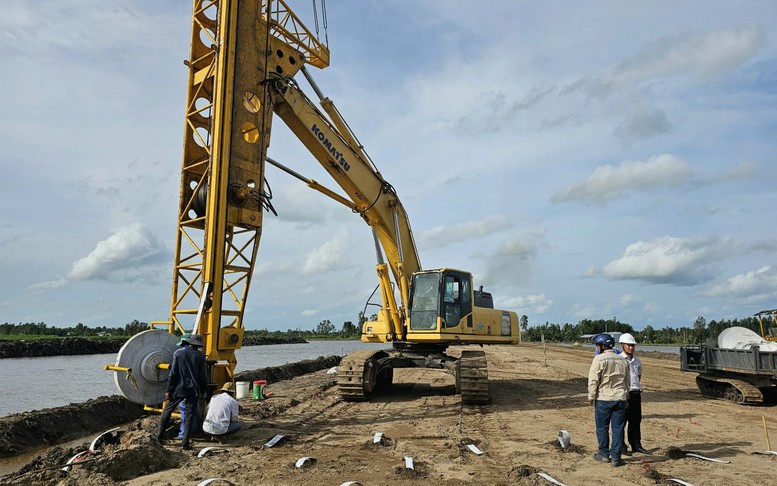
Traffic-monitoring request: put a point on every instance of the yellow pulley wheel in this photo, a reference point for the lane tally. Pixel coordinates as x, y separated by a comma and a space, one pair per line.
142, 354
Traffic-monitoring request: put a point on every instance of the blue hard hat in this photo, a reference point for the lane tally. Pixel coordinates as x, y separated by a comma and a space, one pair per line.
605, 340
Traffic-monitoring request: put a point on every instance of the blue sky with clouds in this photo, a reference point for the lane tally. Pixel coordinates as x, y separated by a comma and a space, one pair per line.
616, 160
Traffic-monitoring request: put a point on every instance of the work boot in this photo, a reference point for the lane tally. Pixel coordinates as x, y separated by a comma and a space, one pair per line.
186, 447
600, 458
625, 450
617, 462
640, 449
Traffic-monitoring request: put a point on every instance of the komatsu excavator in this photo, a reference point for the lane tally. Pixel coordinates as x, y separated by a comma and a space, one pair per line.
242, 66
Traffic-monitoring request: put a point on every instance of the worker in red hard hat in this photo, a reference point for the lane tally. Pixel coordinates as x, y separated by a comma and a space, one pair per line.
634, 412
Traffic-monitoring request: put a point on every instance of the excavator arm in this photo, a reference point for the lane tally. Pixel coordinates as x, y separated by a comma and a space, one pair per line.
337, 150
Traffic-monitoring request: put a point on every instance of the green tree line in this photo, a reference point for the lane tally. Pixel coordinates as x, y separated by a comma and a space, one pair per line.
696, 333
324, 330
79, 330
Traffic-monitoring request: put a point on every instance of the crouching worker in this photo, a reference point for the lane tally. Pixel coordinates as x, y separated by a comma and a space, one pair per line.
222, 416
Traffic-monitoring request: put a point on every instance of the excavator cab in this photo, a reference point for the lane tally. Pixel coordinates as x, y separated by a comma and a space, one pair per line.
439, 299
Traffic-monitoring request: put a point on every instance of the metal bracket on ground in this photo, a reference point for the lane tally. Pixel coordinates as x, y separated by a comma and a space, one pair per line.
305, 461
210, 449
697, 456
475, 449
550, 478
274, 441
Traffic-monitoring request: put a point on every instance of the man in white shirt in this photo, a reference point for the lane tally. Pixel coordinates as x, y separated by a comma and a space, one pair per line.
634, 412
222, 416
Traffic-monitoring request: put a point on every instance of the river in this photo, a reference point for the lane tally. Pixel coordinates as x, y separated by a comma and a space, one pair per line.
36, 383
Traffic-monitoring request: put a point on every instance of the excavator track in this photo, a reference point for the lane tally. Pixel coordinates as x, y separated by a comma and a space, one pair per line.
730, 389
472, 377
357, 375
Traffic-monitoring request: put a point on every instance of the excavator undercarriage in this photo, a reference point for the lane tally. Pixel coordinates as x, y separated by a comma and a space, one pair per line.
365, 373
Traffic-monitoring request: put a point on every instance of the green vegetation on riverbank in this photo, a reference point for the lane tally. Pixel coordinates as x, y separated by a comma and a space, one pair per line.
41, 331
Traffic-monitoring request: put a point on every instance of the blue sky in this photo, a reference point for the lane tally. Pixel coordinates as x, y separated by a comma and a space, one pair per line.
616, 160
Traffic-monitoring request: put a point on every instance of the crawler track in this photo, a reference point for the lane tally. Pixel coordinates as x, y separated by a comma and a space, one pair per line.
357, 375
472, 380
736, 391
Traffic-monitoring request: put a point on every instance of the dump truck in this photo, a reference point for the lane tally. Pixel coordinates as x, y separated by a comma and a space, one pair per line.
739, 366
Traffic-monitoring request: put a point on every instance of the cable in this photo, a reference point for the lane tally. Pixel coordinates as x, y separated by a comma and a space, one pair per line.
323, 12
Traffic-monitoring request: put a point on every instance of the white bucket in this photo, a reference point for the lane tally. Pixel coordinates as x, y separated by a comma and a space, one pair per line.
242, 389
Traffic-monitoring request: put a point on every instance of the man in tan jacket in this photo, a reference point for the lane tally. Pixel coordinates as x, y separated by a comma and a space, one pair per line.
608, 391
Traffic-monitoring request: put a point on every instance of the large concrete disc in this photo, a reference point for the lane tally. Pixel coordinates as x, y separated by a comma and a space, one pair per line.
142, 353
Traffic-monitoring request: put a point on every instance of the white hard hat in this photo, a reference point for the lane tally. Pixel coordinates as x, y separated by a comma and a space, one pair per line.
627, 339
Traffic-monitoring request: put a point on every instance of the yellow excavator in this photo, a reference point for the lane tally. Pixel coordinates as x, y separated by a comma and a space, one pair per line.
242, 65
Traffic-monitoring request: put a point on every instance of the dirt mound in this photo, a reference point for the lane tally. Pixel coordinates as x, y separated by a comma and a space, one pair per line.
136, 454
659, 355
290, 370
28, 430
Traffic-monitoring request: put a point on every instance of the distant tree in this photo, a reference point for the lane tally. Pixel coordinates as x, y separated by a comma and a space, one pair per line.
325, 327
648, 334
135, 327
349, 329
524, 322
698, 329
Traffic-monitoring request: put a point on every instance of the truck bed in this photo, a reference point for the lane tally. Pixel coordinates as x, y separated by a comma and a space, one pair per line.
704, 358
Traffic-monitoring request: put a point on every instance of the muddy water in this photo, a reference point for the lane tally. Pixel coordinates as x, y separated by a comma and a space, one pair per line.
37, 383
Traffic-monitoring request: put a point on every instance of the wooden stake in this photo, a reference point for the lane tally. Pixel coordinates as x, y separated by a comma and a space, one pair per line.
545, 356
766, 433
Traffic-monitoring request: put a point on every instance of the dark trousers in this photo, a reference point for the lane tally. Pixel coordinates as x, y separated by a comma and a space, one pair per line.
606, 413
164, 420
634, 418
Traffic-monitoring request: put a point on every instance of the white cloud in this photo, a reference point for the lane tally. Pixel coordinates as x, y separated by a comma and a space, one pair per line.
743, 170
754, 285
678, 261
329, 256
608, 182
309, 312
763, 246
643, 122
703, 55
627, 299
708, 54
528, 304
87, 26
131, 254
512, 263
441, 236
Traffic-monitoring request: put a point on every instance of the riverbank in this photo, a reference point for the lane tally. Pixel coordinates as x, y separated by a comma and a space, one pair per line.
22, 432
71, 346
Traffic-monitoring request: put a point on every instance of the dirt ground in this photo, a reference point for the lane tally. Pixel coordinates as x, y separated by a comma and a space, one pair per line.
534, 395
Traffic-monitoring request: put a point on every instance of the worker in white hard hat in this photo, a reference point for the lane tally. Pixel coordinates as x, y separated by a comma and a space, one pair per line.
634, 411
